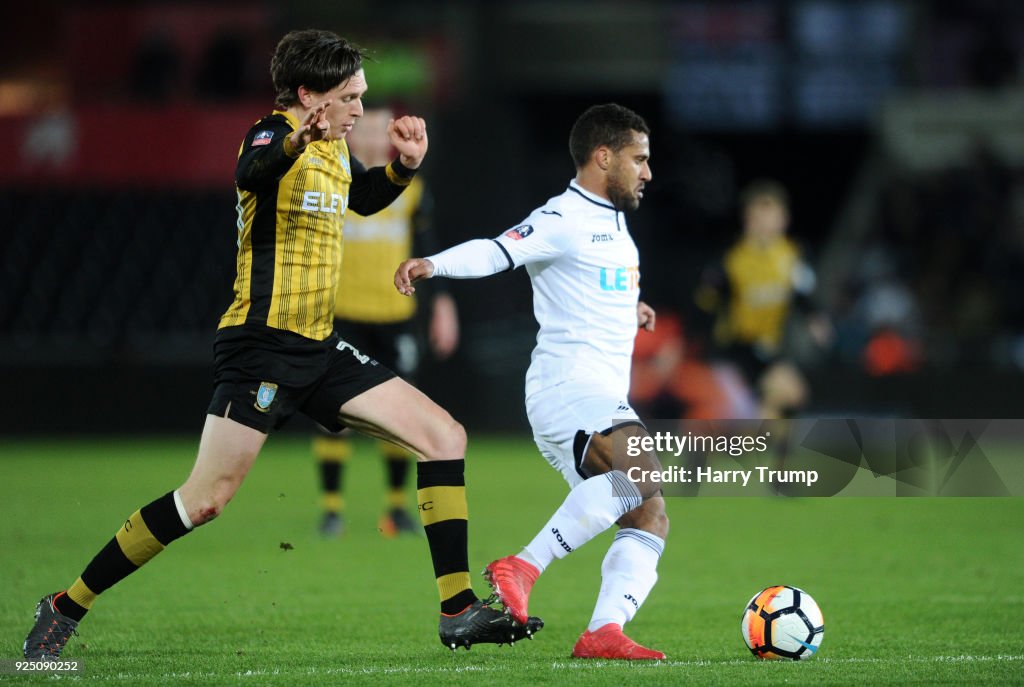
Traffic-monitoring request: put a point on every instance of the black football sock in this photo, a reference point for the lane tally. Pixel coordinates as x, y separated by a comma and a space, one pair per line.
397, 468
145, 534
332, 453
441, 493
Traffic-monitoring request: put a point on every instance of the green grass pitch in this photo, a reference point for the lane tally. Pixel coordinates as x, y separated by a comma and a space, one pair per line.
925, 591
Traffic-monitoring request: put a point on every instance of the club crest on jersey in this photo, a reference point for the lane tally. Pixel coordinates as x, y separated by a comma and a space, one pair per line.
520, 232
265, 396
262, 138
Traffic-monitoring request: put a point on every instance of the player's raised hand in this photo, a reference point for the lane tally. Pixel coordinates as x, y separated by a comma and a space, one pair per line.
410, 272
645, 316
409, 137
315, 127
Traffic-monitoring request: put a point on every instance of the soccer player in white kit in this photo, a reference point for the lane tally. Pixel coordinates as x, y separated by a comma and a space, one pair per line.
584, 268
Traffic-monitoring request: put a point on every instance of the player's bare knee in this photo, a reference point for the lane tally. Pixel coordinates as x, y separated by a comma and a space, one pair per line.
458, 439
204, 514
211, 507
447, 442
204, 503
201, 510
451, 441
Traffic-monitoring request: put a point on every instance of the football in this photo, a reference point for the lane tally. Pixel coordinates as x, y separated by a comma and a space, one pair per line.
782, 622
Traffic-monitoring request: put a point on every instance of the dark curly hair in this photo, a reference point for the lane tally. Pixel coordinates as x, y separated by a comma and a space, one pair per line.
603, 125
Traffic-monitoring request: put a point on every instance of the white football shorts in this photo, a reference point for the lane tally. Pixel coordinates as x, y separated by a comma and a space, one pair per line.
564, 417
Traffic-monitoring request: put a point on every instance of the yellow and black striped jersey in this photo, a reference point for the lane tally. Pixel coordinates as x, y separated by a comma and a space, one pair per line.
374, 245
291, 210
762, 281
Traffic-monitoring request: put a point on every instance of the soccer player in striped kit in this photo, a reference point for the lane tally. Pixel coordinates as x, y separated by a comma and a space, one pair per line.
276, 352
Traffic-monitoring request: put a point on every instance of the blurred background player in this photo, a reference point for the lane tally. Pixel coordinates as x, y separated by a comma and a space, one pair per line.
374, 318
751, 294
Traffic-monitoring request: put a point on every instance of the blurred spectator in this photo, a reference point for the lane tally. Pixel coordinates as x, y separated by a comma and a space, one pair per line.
51, 139
878, 321
951, 266
890, 352
668, 379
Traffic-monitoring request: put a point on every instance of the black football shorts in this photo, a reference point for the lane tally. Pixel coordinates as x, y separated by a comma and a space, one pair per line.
394, 344
263, 376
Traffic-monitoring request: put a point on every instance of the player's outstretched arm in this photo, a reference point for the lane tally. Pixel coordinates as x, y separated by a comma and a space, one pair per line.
469, 260
410, 272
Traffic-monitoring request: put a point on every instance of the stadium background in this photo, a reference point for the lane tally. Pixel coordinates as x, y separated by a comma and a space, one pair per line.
894, 124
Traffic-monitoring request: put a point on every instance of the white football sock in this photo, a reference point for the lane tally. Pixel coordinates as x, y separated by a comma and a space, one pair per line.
591, 507
628, 574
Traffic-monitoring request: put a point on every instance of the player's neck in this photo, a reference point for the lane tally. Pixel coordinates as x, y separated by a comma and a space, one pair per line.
298, 112
593, 182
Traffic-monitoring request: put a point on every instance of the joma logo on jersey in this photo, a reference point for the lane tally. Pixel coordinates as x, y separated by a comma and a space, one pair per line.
561, 539
620, 278
318, 201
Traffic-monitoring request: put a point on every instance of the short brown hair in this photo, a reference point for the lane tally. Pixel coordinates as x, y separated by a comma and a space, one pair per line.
603, 125
764, 188
318, 60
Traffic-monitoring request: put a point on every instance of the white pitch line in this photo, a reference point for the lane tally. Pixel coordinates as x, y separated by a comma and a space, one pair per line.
557, 665
699, 663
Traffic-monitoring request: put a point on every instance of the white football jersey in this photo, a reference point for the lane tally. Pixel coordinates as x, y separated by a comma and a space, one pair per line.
585, 272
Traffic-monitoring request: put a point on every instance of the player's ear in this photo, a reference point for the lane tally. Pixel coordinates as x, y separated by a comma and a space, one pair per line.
305, 96
603, 157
